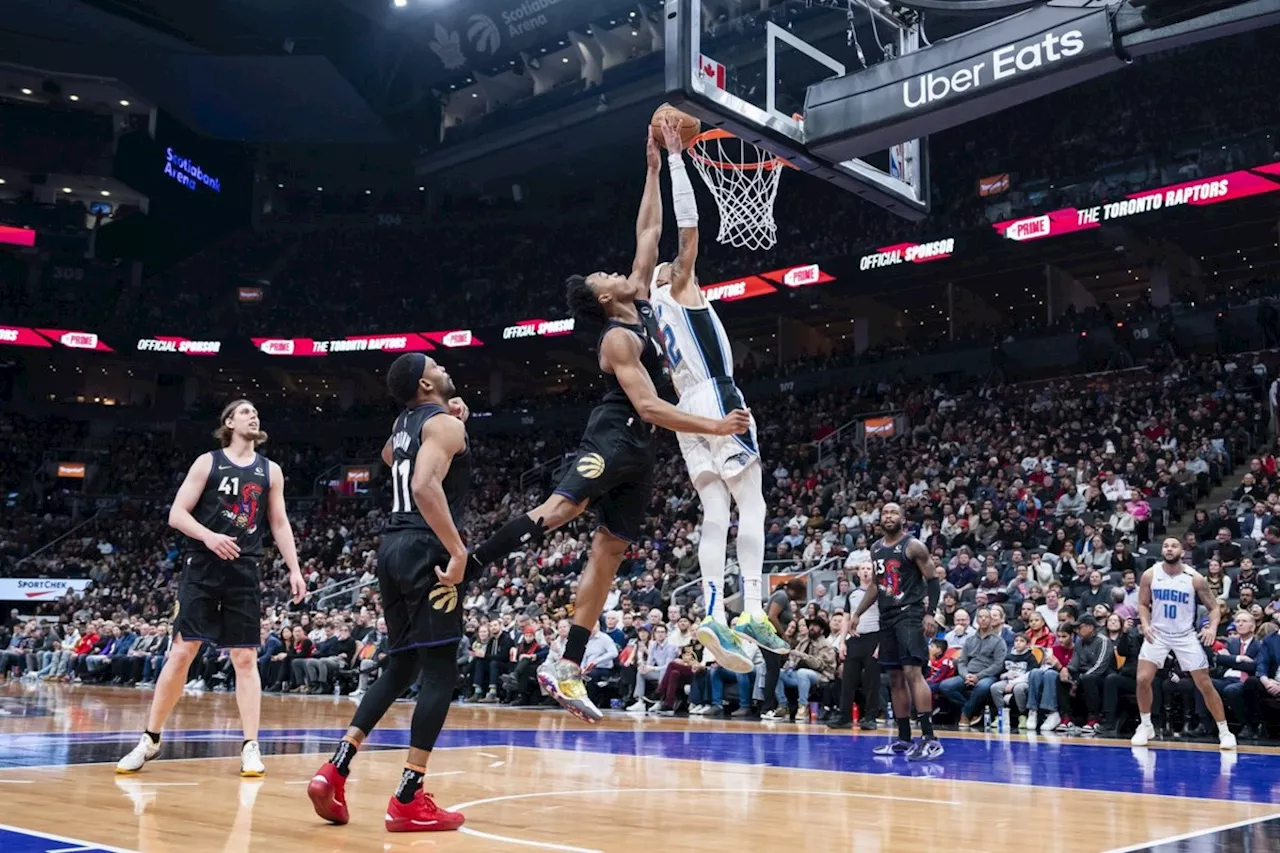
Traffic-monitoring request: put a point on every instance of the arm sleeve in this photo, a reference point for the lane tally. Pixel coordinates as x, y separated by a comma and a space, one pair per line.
683, 201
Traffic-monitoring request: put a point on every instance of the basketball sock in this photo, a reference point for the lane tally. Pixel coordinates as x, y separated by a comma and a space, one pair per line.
925, 719
575, 647
410, 783
748, 494
343, 755
513, 534
904, 728
1146, 719
714, 496
1223, 729
155, 736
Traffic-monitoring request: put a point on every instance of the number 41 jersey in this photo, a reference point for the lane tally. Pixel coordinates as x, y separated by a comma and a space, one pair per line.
234, 502
406, 441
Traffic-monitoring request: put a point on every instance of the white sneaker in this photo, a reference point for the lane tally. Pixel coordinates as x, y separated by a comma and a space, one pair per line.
1033, 721
1145, 733
1051, 722
1226, 741
638, 705
146, 750
251, 761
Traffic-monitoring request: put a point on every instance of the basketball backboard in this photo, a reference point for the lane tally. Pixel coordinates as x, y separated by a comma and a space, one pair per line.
748, 70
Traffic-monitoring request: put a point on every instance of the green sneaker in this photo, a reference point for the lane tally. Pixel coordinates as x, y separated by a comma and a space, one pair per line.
760, 631
723, 645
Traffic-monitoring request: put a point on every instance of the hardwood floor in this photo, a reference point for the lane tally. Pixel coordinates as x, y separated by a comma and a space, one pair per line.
541, 780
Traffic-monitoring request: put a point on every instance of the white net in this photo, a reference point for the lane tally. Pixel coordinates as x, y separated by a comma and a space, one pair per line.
743, 179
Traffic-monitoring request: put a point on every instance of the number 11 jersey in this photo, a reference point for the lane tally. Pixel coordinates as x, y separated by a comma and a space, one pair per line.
406, 440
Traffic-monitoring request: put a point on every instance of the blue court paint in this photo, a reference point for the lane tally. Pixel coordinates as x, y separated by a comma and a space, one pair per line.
15, 840
1081, 765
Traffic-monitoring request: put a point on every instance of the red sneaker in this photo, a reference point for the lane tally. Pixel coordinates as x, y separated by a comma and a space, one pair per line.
421, 815
328, 793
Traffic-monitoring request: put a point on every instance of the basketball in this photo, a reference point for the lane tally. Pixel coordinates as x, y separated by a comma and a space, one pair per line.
689, 126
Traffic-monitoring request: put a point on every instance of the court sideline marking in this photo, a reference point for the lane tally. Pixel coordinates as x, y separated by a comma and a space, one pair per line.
508, 839
1199, 833
75, 843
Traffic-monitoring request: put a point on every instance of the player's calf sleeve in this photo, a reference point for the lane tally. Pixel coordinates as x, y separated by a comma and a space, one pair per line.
397, 677
512, 535
714, 496
748, 494
439, 667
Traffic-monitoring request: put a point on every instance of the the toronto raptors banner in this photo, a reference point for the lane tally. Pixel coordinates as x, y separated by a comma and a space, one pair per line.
957, 80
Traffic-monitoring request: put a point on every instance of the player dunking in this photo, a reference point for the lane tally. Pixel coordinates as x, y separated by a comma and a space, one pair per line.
1167, 600
430, 476
613, 468
721, 467
219, 512
905, 579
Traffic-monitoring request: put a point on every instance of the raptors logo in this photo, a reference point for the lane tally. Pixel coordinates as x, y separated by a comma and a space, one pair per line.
243, 512
889, 576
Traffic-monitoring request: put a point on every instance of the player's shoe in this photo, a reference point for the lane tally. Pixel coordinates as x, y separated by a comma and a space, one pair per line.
328, 793
1226, 741
925, 749
563, 682
759, 630
724, 646
251, 765
894, 747
1143, 735
146, 750
421, 815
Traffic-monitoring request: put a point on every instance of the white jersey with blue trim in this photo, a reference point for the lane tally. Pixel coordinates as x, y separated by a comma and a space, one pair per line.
1173, 601
697, 347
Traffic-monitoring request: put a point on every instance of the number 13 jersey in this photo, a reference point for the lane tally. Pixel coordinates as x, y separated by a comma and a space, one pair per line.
406, 440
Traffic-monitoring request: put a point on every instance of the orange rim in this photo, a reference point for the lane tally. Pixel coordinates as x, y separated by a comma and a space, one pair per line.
719, 133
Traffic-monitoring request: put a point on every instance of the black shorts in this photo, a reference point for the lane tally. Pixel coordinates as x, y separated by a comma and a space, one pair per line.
902, 639
420, 611
219, 601
613, 470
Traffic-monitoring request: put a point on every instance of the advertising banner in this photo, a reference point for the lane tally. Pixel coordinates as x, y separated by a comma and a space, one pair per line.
183, 346
994, 185
71, 470
22, 336
39, 589
960, 79
1203, 191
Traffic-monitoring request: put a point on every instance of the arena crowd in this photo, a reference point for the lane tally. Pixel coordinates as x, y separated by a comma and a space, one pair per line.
1039, 501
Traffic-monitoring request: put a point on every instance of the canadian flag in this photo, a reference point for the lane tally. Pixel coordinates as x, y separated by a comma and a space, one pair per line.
711, 71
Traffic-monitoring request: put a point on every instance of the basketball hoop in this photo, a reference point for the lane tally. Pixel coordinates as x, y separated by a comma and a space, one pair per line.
743, 179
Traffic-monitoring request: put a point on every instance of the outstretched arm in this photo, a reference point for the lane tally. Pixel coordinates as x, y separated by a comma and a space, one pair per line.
620, 355
684, 284
648, 221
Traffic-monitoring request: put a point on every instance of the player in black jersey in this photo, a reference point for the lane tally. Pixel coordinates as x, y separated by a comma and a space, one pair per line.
430, 466
613, 469
907, 590
220, 510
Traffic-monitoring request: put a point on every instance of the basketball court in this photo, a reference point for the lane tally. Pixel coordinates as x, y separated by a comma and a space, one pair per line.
539, 780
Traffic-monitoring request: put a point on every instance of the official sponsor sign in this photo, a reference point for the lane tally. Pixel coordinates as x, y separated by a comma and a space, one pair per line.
39, 589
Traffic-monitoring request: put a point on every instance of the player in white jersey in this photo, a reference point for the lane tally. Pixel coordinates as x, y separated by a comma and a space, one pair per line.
721, 467
1167, 602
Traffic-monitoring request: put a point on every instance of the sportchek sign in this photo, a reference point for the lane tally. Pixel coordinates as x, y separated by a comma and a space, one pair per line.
1202, 192
39, 589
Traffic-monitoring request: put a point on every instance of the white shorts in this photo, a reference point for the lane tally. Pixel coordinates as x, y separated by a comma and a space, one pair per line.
1186, 646
722, 455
